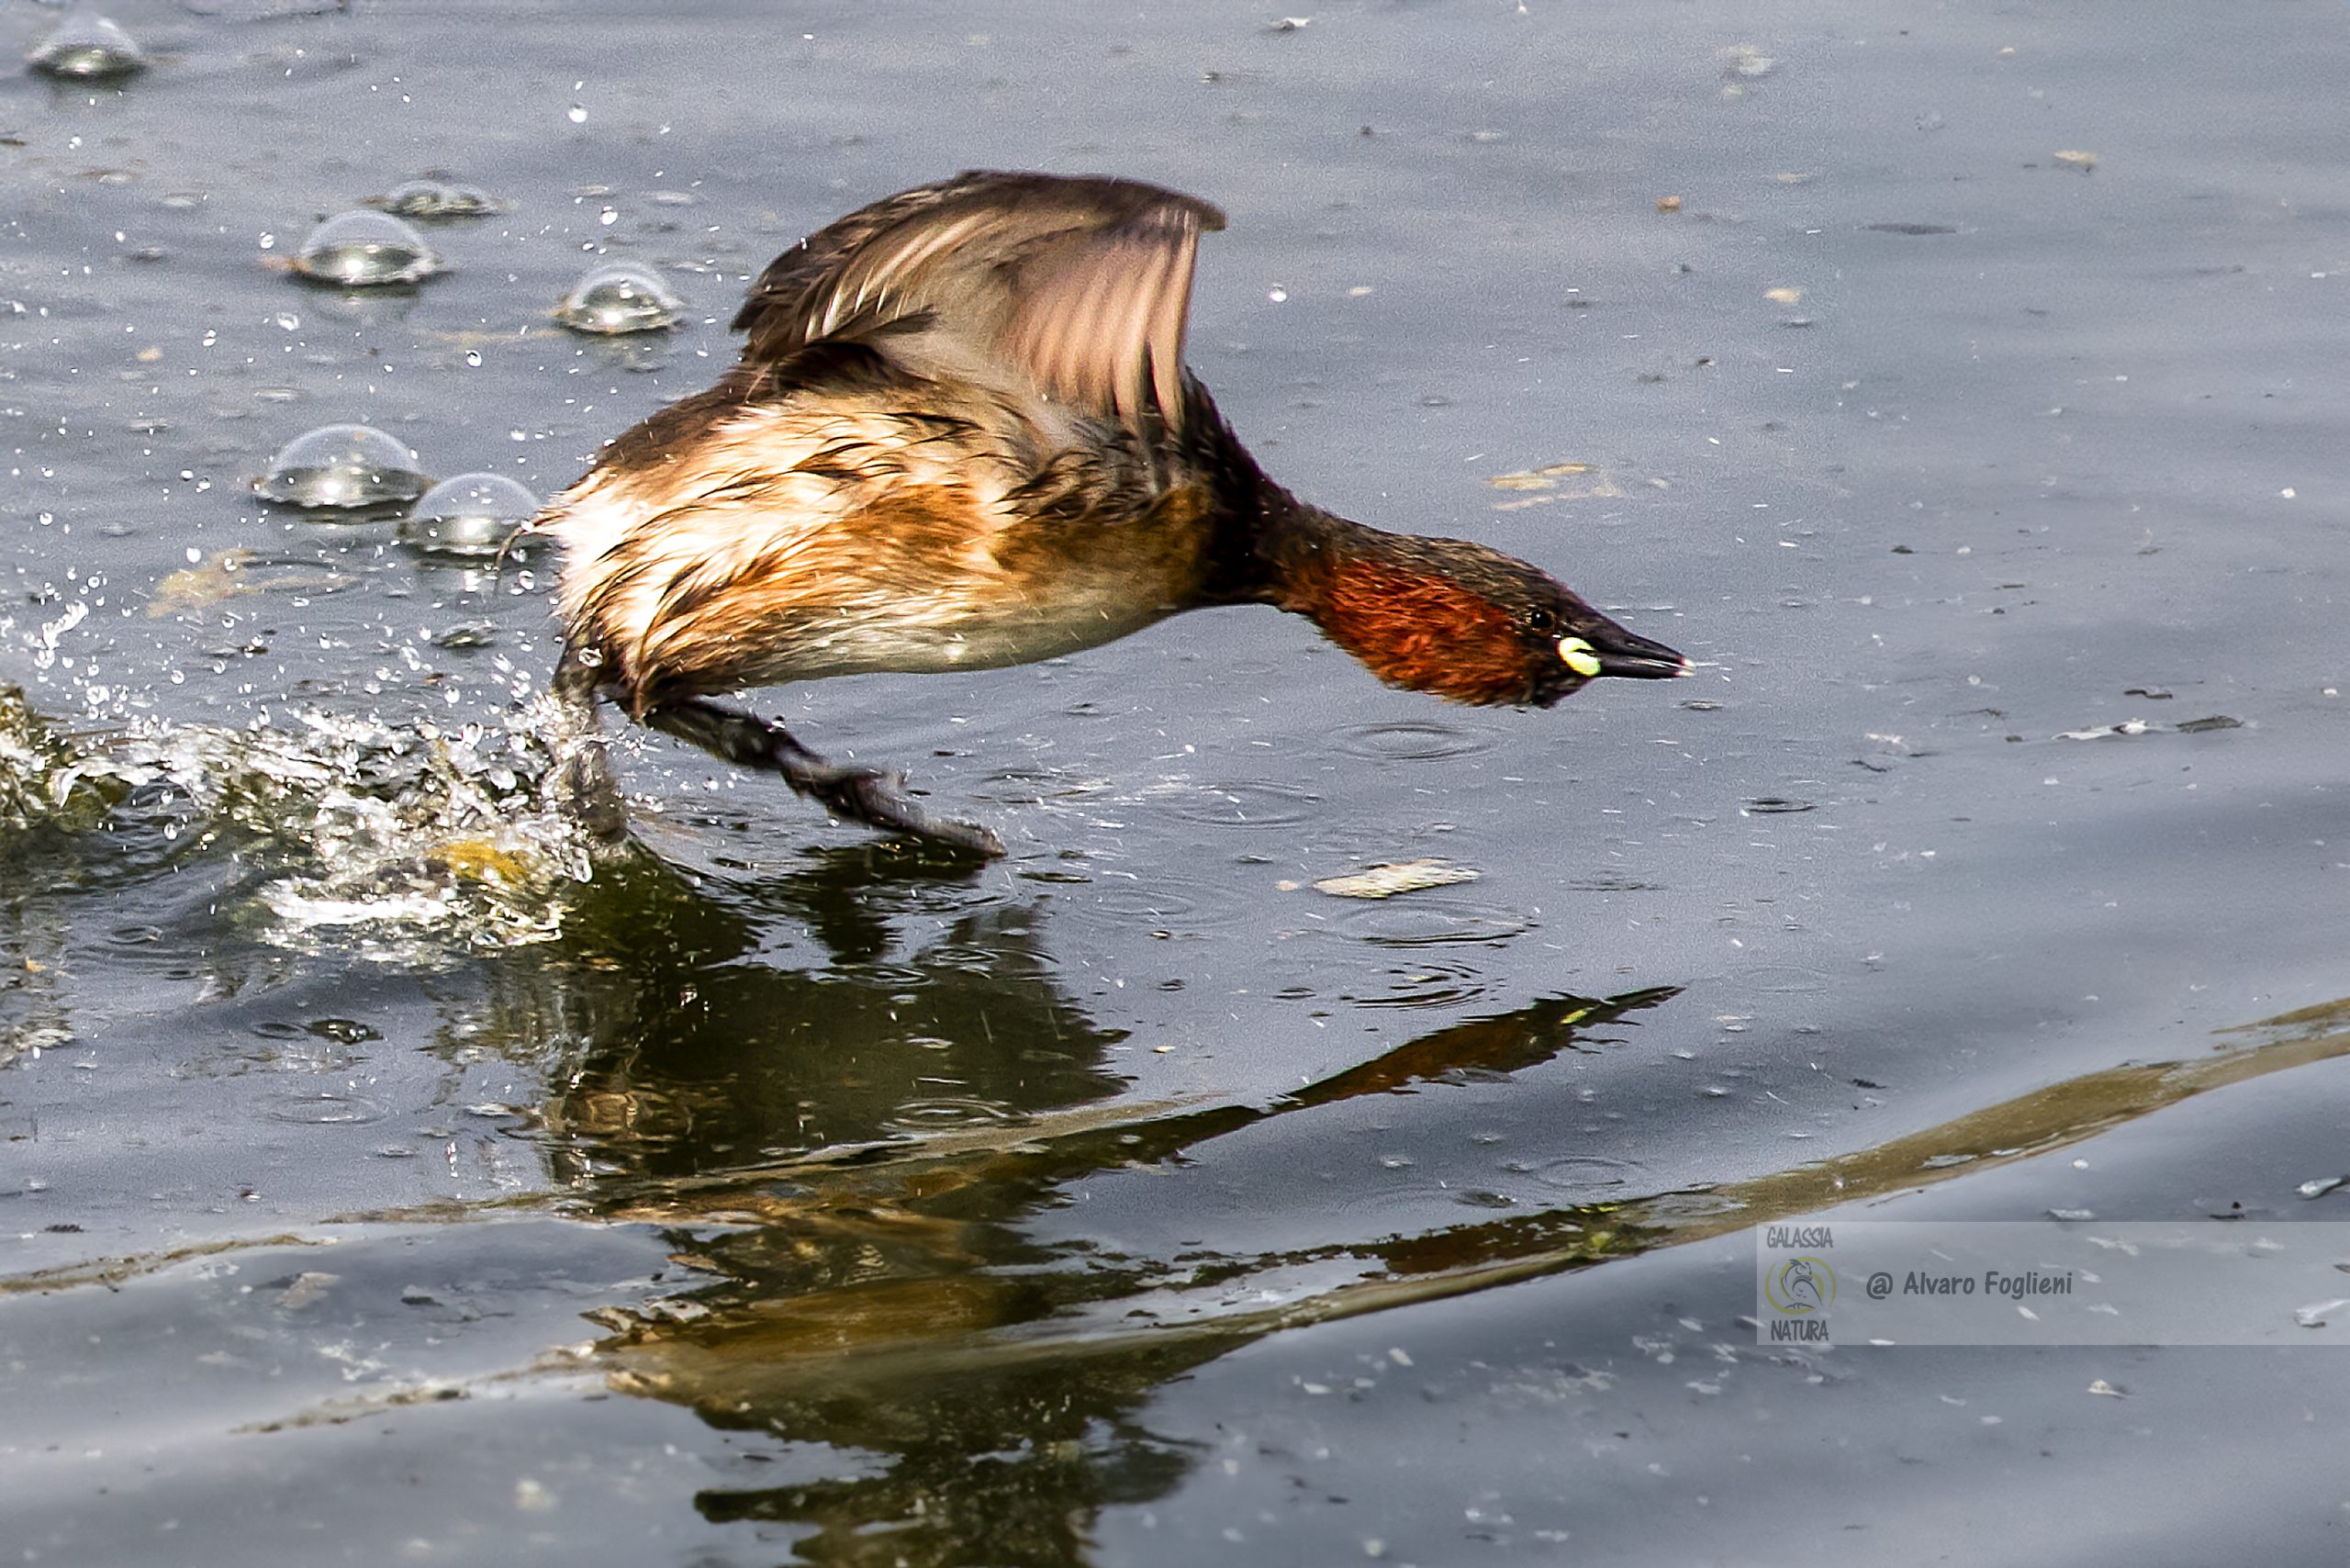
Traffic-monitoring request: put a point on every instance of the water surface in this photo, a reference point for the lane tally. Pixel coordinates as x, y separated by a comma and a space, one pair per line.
388, 1178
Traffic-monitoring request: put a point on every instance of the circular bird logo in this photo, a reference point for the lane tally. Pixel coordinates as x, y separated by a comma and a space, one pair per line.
1800, 1286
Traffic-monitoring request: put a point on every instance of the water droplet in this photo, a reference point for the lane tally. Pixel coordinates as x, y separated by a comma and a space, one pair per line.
471, 515
436, 199
577, 114
619, 299
341, 465
87, 49
366, 250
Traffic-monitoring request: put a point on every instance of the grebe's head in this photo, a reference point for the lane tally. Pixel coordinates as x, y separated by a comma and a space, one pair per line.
1474, 625
1566, 644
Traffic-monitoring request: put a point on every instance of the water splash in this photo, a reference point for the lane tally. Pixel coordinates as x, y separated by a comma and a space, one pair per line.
412, 845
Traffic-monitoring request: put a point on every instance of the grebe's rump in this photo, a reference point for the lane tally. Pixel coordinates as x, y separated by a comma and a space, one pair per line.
961, 434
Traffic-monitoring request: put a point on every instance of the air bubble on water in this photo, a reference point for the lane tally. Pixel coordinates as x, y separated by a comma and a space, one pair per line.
342, 466
436, 199
471, 515
621, 298
87, 49
366, 250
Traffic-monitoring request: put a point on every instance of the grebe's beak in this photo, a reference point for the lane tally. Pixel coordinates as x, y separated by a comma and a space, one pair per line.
1611, 650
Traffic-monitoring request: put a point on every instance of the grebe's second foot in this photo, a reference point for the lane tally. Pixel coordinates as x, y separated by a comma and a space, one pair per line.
586, 790
584, 787
873, 796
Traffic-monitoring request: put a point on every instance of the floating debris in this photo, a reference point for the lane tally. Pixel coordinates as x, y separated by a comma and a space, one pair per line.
1782, 295
2321, 1187
2074, 158
366, 250
230, 573
2143, 726
621, 298
1775, 805
432, 198
467, 634
470, 515
342, 466
1388, 878
1546, 478
87, 49
1909, 229
1743, 62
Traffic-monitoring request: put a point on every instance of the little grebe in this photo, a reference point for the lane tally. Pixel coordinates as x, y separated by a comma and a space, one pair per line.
962, 435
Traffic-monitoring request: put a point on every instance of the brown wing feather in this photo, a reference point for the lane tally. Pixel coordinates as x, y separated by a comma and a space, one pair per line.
1083, 285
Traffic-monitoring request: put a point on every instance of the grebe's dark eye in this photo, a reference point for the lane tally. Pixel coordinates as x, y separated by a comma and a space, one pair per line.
1540, 622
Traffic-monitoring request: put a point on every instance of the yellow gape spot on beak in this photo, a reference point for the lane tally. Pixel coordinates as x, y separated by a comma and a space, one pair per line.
1579, 657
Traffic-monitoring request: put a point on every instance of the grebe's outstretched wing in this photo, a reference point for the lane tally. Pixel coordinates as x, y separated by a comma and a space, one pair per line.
1082, 284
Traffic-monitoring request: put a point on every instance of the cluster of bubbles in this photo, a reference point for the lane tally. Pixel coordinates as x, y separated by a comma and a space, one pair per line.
369, 247
358, 469
398, 833
374, 245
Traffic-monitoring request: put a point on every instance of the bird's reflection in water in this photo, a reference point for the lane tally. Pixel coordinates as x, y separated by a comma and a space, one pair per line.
869, 1282
698, 1027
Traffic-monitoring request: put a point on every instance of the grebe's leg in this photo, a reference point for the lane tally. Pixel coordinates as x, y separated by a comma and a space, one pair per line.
868, 795
584, 784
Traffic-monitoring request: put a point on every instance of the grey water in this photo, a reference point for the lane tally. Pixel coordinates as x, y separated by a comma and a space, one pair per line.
385, 1175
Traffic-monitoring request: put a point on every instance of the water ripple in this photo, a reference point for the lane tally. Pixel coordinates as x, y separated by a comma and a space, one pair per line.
1417, 740
1246, 803
1429, 923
